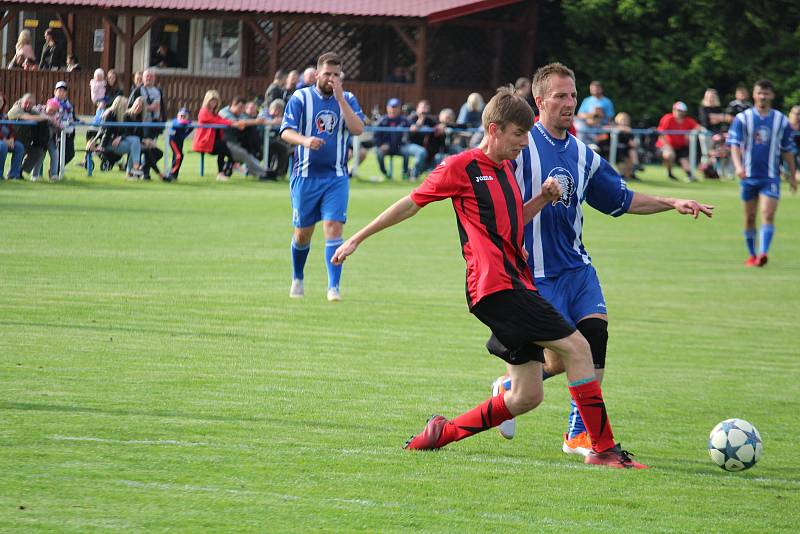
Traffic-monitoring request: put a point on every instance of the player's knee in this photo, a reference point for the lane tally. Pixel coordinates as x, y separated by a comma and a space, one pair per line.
523, 400
578, 347
595, 331
301, 237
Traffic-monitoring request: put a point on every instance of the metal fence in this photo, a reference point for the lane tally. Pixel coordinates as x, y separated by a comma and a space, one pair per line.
638, 134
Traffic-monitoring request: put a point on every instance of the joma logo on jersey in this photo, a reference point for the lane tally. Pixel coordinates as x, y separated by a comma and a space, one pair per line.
566, 182
326, 121
484, 178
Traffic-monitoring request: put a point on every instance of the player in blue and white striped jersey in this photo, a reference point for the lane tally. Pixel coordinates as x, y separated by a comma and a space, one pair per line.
561, 267
759, 137
319, 120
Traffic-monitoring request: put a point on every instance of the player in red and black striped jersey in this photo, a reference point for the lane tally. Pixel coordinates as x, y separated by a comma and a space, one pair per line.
500, 292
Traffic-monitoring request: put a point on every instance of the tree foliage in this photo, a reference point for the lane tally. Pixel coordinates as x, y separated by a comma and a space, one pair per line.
650, 53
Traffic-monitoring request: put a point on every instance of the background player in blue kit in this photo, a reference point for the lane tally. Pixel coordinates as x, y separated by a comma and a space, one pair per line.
319, 120
560, 265
758, 138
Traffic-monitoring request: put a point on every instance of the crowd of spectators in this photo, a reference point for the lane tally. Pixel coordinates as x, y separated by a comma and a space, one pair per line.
420, 137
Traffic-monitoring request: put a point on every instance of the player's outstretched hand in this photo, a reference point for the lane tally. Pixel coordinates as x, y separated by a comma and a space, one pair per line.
314, 143
693, 208
344, 250
551, 190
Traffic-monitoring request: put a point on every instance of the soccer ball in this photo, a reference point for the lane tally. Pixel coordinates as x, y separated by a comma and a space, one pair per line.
735, 445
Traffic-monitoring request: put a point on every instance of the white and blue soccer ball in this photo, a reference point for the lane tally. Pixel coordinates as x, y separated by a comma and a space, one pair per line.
735, 445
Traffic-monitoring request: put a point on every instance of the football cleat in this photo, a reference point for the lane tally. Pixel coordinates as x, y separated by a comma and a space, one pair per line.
333, 294
614, 457
508, 427
761, 260
580, 444
427, 439
297, 291
752, 261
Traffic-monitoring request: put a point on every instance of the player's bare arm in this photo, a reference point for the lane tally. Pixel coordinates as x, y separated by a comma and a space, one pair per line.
788, 157
551, 192
294, 138
397, 212
647, 204
352, 121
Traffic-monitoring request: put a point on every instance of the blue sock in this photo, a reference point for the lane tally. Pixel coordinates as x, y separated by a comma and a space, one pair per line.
299, 255
576, 425
334, 271
750, 241
765, 237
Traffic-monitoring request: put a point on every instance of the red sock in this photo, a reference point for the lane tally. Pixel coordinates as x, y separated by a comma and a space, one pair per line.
484, 416
589, 399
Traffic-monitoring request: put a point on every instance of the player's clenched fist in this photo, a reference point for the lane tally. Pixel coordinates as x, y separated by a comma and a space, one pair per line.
551, 190
314, 143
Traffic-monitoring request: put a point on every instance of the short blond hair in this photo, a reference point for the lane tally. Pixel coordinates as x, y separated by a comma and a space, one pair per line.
504, 108
541, 80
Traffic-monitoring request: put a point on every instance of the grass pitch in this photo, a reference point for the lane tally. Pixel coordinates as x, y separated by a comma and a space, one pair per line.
154, 374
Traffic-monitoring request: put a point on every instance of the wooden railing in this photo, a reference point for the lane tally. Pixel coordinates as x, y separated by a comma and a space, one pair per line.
188, 91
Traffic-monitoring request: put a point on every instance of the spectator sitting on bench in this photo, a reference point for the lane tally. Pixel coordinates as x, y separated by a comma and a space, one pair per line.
33, 137
113, 142
9, 144
150, 151
392, 143
236, 137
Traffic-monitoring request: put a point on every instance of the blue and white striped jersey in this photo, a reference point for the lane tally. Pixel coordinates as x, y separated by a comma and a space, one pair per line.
310, 113
554, 238
762, 140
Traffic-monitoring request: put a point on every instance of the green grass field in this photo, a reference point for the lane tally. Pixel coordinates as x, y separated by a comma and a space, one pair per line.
154, 374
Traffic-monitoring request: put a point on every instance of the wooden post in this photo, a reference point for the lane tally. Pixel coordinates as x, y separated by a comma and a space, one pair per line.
106, 61
128, 38
274, 47
246, 39
67, 31
10, 18
421, 78
71, 30
497, 48
528, 55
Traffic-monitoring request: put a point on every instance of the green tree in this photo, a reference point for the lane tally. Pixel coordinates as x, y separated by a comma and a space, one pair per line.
650, 53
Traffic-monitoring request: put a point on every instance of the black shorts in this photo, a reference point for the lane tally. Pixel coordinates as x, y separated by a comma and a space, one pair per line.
519, 318
681, 153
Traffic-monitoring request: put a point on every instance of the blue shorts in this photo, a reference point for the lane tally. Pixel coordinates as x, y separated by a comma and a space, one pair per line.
575, 294
752, 187
319, 199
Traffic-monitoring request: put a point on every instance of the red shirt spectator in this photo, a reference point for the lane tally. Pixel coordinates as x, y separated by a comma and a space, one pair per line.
204, 137
677, 120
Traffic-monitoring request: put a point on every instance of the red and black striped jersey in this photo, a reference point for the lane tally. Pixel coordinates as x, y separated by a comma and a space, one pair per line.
488, 207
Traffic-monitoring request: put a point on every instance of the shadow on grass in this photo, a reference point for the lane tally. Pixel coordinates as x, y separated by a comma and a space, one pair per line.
82, 208
356, 427
118, 328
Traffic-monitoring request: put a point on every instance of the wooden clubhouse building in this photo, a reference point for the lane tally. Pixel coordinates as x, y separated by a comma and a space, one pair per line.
441, 50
